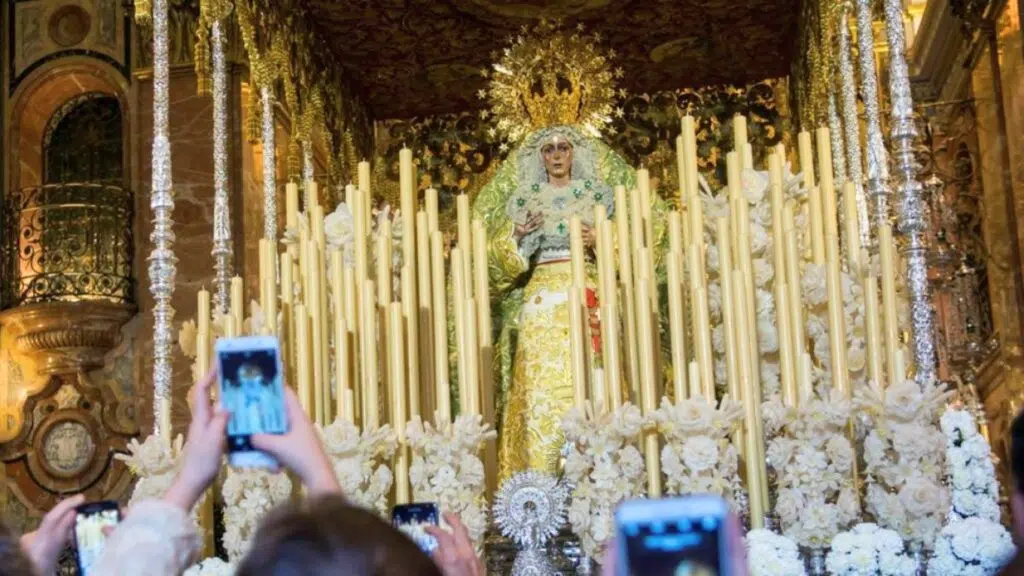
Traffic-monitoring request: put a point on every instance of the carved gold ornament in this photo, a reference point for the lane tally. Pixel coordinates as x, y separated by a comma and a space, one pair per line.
550, 77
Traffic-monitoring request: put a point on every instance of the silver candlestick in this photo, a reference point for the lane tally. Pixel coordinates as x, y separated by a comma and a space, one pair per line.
162, 261
269, 170
877, 159
851, 125
221, 210
912, 218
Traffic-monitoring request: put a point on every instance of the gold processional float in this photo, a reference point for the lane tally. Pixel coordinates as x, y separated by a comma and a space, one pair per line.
347, 325
372, 344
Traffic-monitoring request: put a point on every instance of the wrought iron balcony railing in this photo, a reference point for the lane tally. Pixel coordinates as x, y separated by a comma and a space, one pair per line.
66, 242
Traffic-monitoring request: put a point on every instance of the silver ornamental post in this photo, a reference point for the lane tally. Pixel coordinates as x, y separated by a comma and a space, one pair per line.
912, 219
162, 261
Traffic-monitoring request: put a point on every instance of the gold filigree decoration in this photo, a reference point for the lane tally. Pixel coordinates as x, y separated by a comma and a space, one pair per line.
549, 77
210, 11
143, 12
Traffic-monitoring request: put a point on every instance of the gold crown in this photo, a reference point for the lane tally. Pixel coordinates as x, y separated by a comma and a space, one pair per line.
548, 77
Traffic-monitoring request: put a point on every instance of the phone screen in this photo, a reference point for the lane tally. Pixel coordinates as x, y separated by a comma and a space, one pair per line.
410, 519
252, 391
90, 520
685, 546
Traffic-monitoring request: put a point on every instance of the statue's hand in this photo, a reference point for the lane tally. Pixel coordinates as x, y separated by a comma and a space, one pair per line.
589, 236
533, 221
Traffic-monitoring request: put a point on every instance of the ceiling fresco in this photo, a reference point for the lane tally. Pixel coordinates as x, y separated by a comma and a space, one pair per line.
423, 57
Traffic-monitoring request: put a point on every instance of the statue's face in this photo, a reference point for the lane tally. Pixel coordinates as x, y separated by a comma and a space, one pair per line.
557, 158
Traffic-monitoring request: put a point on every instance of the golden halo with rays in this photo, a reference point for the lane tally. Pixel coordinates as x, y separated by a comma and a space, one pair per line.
547, 76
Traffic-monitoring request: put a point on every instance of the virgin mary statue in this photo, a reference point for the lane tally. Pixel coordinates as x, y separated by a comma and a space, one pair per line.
551, 93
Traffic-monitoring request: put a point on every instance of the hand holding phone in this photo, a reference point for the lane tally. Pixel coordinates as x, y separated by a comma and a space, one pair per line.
204, 447
412, 519
44, 544
685, 536
252, 391
90, 521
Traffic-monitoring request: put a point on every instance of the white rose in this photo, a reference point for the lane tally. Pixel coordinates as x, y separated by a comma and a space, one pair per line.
840, 453
763, 271
700, 453
812, 285
921, 497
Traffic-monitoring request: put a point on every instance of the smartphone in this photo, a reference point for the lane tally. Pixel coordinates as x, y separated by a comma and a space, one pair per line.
252, 390
90, 520
682, 536
410, 519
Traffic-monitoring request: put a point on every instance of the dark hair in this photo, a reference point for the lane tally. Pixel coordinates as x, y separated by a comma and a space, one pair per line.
13, 560
1017, 450
326, 535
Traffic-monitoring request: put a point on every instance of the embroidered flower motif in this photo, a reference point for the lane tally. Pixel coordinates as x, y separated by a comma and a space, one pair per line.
598, 196
535, 187
588, 184
562, 228
520, 202
577, 193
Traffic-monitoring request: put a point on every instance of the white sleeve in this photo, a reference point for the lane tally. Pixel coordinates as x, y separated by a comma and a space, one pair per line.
155, 538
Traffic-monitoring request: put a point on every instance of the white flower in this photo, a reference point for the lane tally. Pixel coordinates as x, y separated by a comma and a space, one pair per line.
971, 546
840, 453
338, 226
813, 285
869, 551
446, 468
770, 554
763, 271
700, 453
812, 458
606, 467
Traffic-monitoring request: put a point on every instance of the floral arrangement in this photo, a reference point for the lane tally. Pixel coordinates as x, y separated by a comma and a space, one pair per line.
698, 456
604, 467
211, 567
903, 452
339, 232
973, 541
815, 299
972, 477
446, 467
755, 190
248, 494
154, 461
869, 550
813, 461
360, 461
972, 547
770, 554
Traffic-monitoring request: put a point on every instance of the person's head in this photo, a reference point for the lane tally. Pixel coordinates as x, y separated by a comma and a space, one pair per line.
557, 153
326, 535
1017, 467
13, 559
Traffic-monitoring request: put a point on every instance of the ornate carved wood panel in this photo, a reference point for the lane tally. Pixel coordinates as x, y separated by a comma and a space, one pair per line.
419, 57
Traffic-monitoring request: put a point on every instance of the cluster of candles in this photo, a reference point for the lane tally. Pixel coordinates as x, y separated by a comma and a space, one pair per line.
636, 355
390, 351
393, 352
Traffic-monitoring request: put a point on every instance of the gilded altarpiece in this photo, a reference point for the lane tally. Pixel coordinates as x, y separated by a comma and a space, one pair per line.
1001, 161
